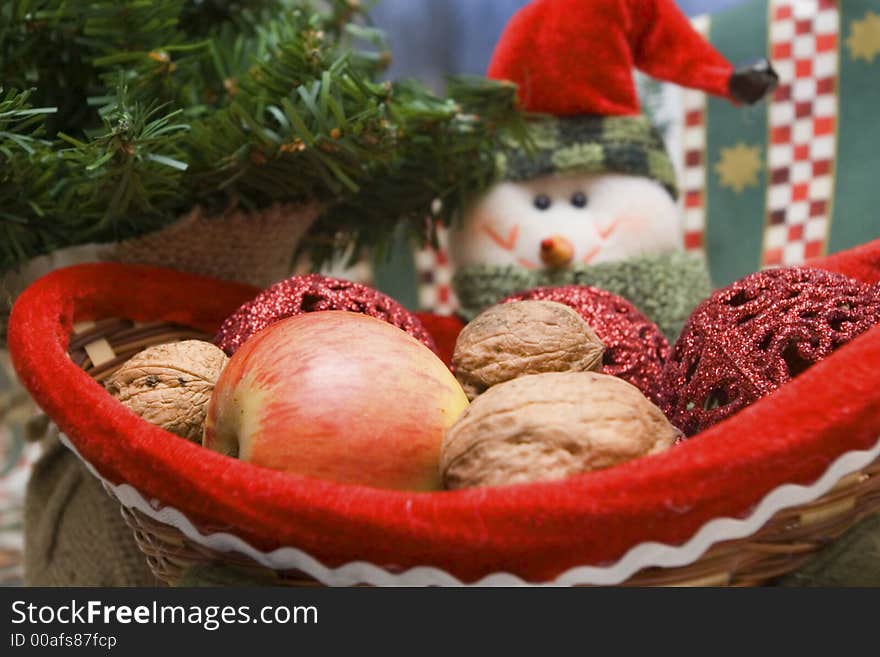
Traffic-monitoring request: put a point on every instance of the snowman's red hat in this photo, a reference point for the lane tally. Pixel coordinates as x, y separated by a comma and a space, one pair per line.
573, 61
576, 57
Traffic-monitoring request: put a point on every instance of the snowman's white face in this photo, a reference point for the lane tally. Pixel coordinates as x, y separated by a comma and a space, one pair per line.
568, 220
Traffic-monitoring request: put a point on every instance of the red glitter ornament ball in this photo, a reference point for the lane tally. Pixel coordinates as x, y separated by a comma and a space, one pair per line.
314, 293
752, 337
635, 349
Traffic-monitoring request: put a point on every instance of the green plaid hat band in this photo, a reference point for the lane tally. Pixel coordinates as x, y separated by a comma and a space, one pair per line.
591, 144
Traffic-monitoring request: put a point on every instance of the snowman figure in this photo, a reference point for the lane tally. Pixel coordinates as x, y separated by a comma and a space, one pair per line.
593, 200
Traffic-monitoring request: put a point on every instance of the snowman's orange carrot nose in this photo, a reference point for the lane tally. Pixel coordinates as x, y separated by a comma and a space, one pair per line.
556, 252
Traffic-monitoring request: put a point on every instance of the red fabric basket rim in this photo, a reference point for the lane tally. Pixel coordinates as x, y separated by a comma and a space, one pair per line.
536, 531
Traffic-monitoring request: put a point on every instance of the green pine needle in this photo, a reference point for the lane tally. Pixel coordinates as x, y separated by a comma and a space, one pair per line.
138, 110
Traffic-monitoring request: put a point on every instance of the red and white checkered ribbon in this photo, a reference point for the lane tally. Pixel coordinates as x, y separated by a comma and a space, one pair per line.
803, 127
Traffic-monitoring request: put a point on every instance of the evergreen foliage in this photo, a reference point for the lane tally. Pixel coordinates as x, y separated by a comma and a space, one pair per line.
119, 115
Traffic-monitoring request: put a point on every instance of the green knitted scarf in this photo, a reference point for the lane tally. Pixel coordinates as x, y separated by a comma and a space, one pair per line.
664, 287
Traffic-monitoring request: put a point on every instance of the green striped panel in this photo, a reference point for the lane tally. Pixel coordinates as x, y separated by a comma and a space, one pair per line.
735, 221
396, 275
856, 218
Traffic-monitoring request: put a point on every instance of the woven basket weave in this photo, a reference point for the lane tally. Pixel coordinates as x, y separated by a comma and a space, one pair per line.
782, 545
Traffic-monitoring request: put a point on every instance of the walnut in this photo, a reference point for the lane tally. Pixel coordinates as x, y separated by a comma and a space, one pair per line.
550, 426
170, 385
525, 337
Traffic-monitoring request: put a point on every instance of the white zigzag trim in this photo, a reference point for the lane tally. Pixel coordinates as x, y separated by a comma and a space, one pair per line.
639, 557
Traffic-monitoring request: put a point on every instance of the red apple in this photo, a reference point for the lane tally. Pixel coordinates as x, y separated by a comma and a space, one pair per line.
340, 396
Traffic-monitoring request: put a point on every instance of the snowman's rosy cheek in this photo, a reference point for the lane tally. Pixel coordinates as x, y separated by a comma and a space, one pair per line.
632, 225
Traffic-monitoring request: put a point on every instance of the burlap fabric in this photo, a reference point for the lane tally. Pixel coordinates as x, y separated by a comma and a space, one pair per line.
74, 531
236, 245
254, 248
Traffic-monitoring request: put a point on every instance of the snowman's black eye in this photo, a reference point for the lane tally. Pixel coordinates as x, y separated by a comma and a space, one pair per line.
543, 202
579, 200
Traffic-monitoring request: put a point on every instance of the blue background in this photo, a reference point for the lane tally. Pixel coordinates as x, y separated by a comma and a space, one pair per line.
433, 38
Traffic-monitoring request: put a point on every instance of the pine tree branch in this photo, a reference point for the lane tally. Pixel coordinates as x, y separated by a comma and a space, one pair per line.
21, 124
134, 169
27, 170
445, 158
262, 102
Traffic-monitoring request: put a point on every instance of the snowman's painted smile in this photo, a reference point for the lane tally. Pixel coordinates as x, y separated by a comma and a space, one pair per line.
608, 231
587, 259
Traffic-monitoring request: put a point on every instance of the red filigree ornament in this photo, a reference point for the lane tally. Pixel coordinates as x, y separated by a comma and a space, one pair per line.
315, 293
635, 349
748, 339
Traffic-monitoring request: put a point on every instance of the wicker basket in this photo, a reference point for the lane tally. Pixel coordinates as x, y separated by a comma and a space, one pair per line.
782, 545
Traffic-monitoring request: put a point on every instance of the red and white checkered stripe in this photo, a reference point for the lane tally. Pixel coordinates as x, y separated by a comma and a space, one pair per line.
435, 278
693, 171
803, 130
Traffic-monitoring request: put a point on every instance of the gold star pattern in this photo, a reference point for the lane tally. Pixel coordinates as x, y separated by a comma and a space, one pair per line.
739, 167
864, 38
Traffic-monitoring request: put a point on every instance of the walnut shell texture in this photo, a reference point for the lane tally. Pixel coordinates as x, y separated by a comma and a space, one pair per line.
170, 385
526, 337
550, 426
